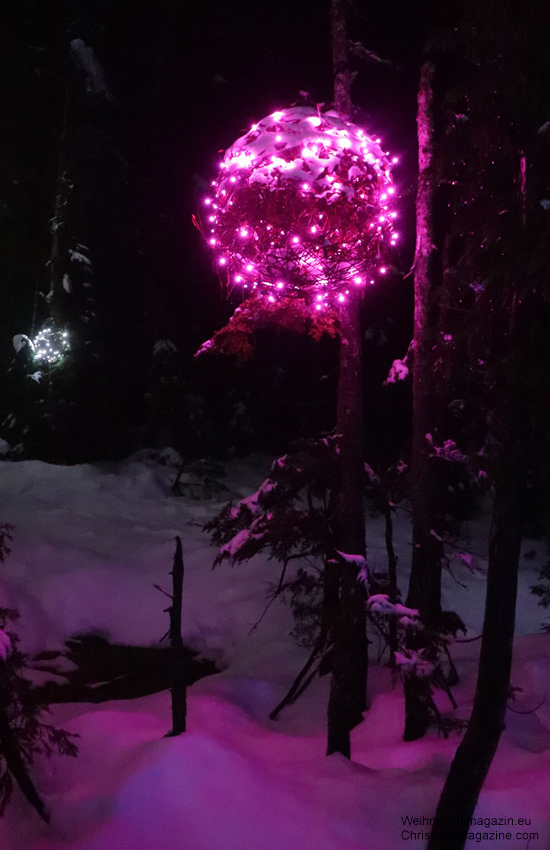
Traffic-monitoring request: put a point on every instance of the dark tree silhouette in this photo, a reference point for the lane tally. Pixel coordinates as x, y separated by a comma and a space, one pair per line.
425, 580
504, 252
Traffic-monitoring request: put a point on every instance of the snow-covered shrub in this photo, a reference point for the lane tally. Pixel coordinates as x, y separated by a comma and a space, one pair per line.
427, 662
290, 517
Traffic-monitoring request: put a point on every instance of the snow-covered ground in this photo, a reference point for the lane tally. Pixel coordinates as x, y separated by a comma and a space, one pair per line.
90, 543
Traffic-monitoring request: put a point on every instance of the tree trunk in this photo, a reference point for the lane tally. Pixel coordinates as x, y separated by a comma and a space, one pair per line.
425, 580
59, 224
179, 681
392, 577
475, 754
343, 74
349, 673
343, 619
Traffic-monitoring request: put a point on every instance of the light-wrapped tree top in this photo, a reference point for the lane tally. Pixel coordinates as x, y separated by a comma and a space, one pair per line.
302, 206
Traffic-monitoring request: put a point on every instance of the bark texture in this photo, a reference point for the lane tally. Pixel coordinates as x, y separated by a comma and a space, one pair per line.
425, 580
343, 74
347, 698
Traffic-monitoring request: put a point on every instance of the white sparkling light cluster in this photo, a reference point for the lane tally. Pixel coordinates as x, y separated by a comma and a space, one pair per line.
302, 205
50, 345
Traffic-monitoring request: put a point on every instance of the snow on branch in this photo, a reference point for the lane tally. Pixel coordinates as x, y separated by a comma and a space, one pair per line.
361, 53
372, 476
448, 451
79, 257
282, 516
398, 372
413, 663
356, 560
379, 603
85, 59
21, 341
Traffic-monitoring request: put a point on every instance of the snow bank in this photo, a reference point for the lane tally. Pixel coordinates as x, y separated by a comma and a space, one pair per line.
90, 542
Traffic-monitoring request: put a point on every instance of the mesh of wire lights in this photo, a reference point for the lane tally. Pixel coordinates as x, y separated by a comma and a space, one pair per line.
50, 345
302, 206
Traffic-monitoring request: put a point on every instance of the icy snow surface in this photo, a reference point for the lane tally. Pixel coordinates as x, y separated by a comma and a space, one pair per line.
90, 543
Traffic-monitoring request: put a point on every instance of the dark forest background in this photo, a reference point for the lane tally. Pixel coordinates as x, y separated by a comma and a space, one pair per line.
119, 167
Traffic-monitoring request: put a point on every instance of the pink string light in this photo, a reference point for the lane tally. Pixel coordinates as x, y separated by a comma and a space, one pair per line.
305, 198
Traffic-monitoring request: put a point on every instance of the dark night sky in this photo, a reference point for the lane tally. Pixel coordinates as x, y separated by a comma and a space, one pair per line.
187, 79
191, 77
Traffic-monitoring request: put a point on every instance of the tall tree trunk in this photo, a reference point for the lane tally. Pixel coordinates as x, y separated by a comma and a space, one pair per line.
425, 580
475, 754
343, 74
392, 577
59, 222
349, 674
347, 698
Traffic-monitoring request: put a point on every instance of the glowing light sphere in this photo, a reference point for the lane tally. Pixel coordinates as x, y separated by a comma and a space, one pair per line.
50, 344
302, 205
